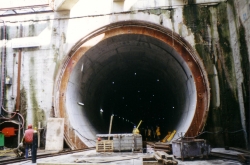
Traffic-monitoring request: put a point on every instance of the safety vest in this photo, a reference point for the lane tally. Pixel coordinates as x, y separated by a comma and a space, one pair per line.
28, 136
158, 133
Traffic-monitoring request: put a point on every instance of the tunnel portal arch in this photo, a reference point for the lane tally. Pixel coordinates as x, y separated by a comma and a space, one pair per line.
111, 55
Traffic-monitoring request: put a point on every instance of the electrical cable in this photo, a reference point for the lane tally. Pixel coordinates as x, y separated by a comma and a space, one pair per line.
6, 110
5, 118
22, 120
83, 136
236, 131
231, 132
15, 113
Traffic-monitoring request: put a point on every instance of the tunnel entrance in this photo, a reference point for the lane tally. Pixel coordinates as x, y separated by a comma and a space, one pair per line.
134, 71
134, 77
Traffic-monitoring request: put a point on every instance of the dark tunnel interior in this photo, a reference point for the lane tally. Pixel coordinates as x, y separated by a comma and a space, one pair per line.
135, 95
133, 77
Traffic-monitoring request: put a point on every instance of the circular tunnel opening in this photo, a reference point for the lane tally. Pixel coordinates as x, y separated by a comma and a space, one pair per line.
133, 76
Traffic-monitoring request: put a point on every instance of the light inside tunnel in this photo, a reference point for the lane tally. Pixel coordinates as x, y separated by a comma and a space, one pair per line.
133, 77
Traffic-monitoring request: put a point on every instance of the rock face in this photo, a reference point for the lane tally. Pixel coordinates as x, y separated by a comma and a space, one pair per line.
182, 65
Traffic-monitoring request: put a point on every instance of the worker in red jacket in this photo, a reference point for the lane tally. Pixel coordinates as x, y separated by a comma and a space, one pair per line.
28, 140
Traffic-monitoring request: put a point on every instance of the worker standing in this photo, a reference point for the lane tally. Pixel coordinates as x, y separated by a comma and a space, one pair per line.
134, 130
146, 133
34, 145
28, 140
149, 133
158, 133
153, 133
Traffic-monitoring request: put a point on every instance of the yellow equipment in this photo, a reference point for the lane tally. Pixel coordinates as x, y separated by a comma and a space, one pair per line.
169, 136
166, 137
136, 130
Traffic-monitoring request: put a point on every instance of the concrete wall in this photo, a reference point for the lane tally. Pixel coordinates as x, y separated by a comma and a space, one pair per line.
219, 31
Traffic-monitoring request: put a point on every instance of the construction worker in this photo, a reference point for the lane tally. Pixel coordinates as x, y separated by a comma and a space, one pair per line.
158, 133
34, 145
153, 133
28, 140
149, 133
134, 130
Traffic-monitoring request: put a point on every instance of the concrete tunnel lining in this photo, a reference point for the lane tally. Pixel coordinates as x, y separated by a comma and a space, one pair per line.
114, 59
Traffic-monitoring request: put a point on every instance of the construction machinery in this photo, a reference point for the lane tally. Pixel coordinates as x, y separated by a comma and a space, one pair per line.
136, 130
169, 136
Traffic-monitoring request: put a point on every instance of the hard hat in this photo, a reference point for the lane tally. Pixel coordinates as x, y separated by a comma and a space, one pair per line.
29, 126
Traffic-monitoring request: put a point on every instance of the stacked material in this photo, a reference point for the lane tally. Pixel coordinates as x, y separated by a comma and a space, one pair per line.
160, 157
150, 143
165, 147
118, 142
127, 142
104, 146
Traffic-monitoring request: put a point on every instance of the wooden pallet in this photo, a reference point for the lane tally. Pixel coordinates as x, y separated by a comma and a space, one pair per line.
104, 146
166, 147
